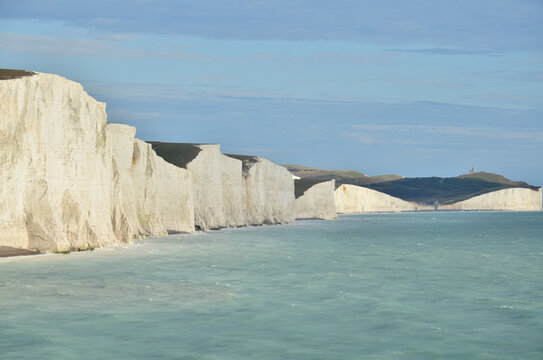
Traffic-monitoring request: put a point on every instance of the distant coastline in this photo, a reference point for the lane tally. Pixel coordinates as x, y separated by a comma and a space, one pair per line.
72, 181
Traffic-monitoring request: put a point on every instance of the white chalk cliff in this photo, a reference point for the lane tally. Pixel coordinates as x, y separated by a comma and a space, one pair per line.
219, 192
269, 192
152, 197
232, 190
352, 199
56, 192
69, 181
317, 202
513, 199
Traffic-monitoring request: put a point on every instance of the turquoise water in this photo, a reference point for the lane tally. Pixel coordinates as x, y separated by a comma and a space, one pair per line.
386, 286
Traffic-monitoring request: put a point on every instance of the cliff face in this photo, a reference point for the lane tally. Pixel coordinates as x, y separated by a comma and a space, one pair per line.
269, 192
69, 182
232, 190
164, 190
317, 202
514, 199
55, 191
351, 199
355, 199
152, 197
219, 192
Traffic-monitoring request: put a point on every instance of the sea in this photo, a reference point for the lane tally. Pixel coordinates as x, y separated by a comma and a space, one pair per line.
429, 285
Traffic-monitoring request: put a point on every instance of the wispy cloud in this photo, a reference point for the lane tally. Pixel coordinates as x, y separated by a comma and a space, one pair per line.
250, 150
124, 115
466, 24
104, 46
152, 92
439, 83
377, 59
367, 138
483, 132
447, 51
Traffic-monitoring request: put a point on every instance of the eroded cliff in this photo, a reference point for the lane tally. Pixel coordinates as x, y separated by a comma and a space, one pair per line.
351, 199
55, 192
514, 199
269, 191
316, 201
153, 197
218, 188
71, 182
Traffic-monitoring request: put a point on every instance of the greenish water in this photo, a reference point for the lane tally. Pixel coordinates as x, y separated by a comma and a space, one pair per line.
451, 285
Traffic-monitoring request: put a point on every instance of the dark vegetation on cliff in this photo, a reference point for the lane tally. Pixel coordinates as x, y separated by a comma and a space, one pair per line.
428, 190
247, 160
302, 185
178, 154
8, 74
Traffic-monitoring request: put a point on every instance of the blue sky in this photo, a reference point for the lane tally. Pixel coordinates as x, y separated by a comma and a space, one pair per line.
417, 88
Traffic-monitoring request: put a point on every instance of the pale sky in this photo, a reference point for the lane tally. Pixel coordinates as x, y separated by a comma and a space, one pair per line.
411, 87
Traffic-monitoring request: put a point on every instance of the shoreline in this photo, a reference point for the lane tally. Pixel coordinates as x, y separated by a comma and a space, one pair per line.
8, 251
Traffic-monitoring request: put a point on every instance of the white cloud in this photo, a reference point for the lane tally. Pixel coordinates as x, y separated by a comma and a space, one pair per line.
102, 46
128, 115
484, 132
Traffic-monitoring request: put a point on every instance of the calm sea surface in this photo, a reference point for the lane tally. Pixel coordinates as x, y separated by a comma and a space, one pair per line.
452, 285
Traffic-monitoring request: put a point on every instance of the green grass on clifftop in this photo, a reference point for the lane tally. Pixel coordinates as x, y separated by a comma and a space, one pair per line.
247, 160
8, 74
302, 185
341, 176
178, 154
494, 178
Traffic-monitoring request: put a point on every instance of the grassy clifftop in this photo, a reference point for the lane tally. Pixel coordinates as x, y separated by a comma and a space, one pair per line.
8, 74
178, 154
302, 185
247, 160
341, 176
494, 178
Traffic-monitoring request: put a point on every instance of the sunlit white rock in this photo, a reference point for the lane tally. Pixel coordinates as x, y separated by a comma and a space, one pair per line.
317, 202
514, 199
351, 199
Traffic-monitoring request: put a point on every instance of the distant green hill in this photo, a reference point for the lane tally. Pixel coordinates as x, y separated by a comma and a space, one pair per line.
494, 178
341, 176
425, 190
443, 190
